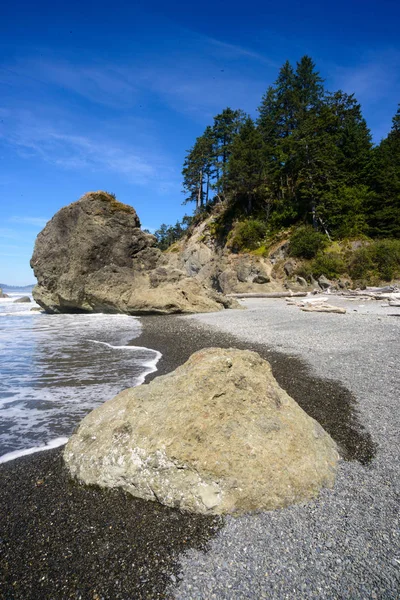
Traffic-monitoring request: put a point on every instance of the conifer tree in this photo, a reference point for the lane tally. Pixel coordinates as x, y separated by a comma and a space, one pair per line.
276, 124
198, 169
308, 158
309, 89
384, 211
352, 137
285, 101
225, 128
246, 177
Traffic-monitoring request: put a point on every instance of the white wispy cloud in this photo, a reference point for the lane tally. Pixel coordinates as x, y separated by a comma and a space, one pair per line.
196, 76
233, 51
33, 136
12, 254
375, 81
9, 234
25, 220
377, 74
99, 83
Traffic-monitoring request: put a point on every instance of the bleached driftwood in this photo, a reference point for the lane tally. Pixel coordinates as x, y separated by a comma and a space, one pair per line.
326, 308
387, 289
306, 301
384, 293
287, 294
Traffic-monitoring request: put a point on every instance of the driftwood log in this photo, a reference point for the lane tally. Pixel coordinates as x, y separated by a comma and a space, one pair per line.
325, 308
288, 294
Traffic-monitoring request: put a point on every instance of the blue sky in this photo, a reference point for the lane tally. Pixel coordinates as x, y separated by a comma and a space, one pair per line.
110, 96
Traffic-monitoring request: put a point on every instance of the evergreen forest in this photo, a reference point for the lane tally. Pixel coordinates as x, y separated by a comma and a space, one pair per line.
308, 158
306, 166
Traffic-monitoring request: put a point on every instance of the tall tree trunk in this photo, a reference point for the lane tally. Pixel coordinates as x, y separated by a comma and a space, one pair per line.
200, 191
314, 214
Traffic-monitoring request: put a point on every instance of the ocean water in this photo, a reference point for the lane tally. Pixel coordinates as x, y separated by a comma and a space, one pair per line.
54, 369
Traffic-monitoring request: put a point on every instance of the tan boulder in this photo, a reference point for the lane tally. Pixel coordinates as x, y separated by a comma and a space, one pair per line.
217, 435
184, 296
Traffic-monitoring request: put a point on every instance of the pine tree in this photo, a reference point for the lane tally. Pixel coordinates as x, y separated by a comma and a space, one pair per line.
267, 120
384, 211
309, 88
246, 176
352, 137
285, 101
305, 161
225, 128
198, 168
310, 158
277, 123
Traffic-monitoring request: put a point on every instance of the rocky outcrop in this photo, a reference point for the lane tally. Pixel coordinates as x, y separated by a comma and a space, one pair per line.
23, 299
200, 256
92, 256
217, 435
324, 283
2, 294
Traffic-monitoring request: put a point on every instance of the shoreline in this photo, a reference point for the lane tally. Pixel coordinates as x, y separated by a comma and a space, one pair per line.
60, 539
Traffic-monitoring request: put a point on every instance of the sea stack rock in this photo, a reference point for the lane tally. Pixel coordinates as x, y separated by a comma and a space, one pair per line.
218, 435
93, 257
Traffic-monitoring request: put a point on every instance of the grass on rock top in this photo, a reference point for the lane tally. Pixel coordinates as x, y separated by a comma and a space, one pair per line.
115, 205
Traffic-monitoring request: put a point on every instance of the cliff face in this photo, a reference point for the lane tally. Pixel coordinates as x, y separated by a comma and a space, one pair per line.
92, 256
201, 256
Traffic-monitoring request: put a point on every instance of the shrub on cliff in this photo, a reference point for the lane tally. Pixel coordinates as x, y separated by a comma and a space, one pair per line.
378, 260
306, 242
247, 235
330, 264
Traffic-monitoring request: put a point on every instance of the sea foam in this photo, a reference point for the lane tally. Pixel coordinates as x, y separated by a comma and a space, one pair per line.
57, 368
61, 441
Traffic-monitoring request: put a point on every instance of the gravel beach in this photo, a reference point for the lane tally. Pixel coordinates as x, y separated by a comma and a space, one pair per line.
345, 544
61, 540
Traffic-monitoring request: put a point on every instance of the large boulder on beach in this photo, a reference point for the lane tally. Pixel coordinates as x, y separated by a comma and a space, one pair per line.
217, 435
93, 257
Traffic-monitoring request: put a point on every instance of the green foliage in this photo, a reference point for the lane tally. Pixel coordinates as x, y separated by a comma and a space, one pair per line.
247, 235
384, 179
115, 205
169, 234
308, 158
305, 270
246, 174
344, 210
376, 260
306, 243
206, 163
330, 264
198, 170
261, 251
373, 262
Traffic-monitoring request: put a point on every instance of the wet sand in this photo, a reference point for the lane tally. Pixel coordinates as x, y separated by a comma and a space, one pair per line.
62, 540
